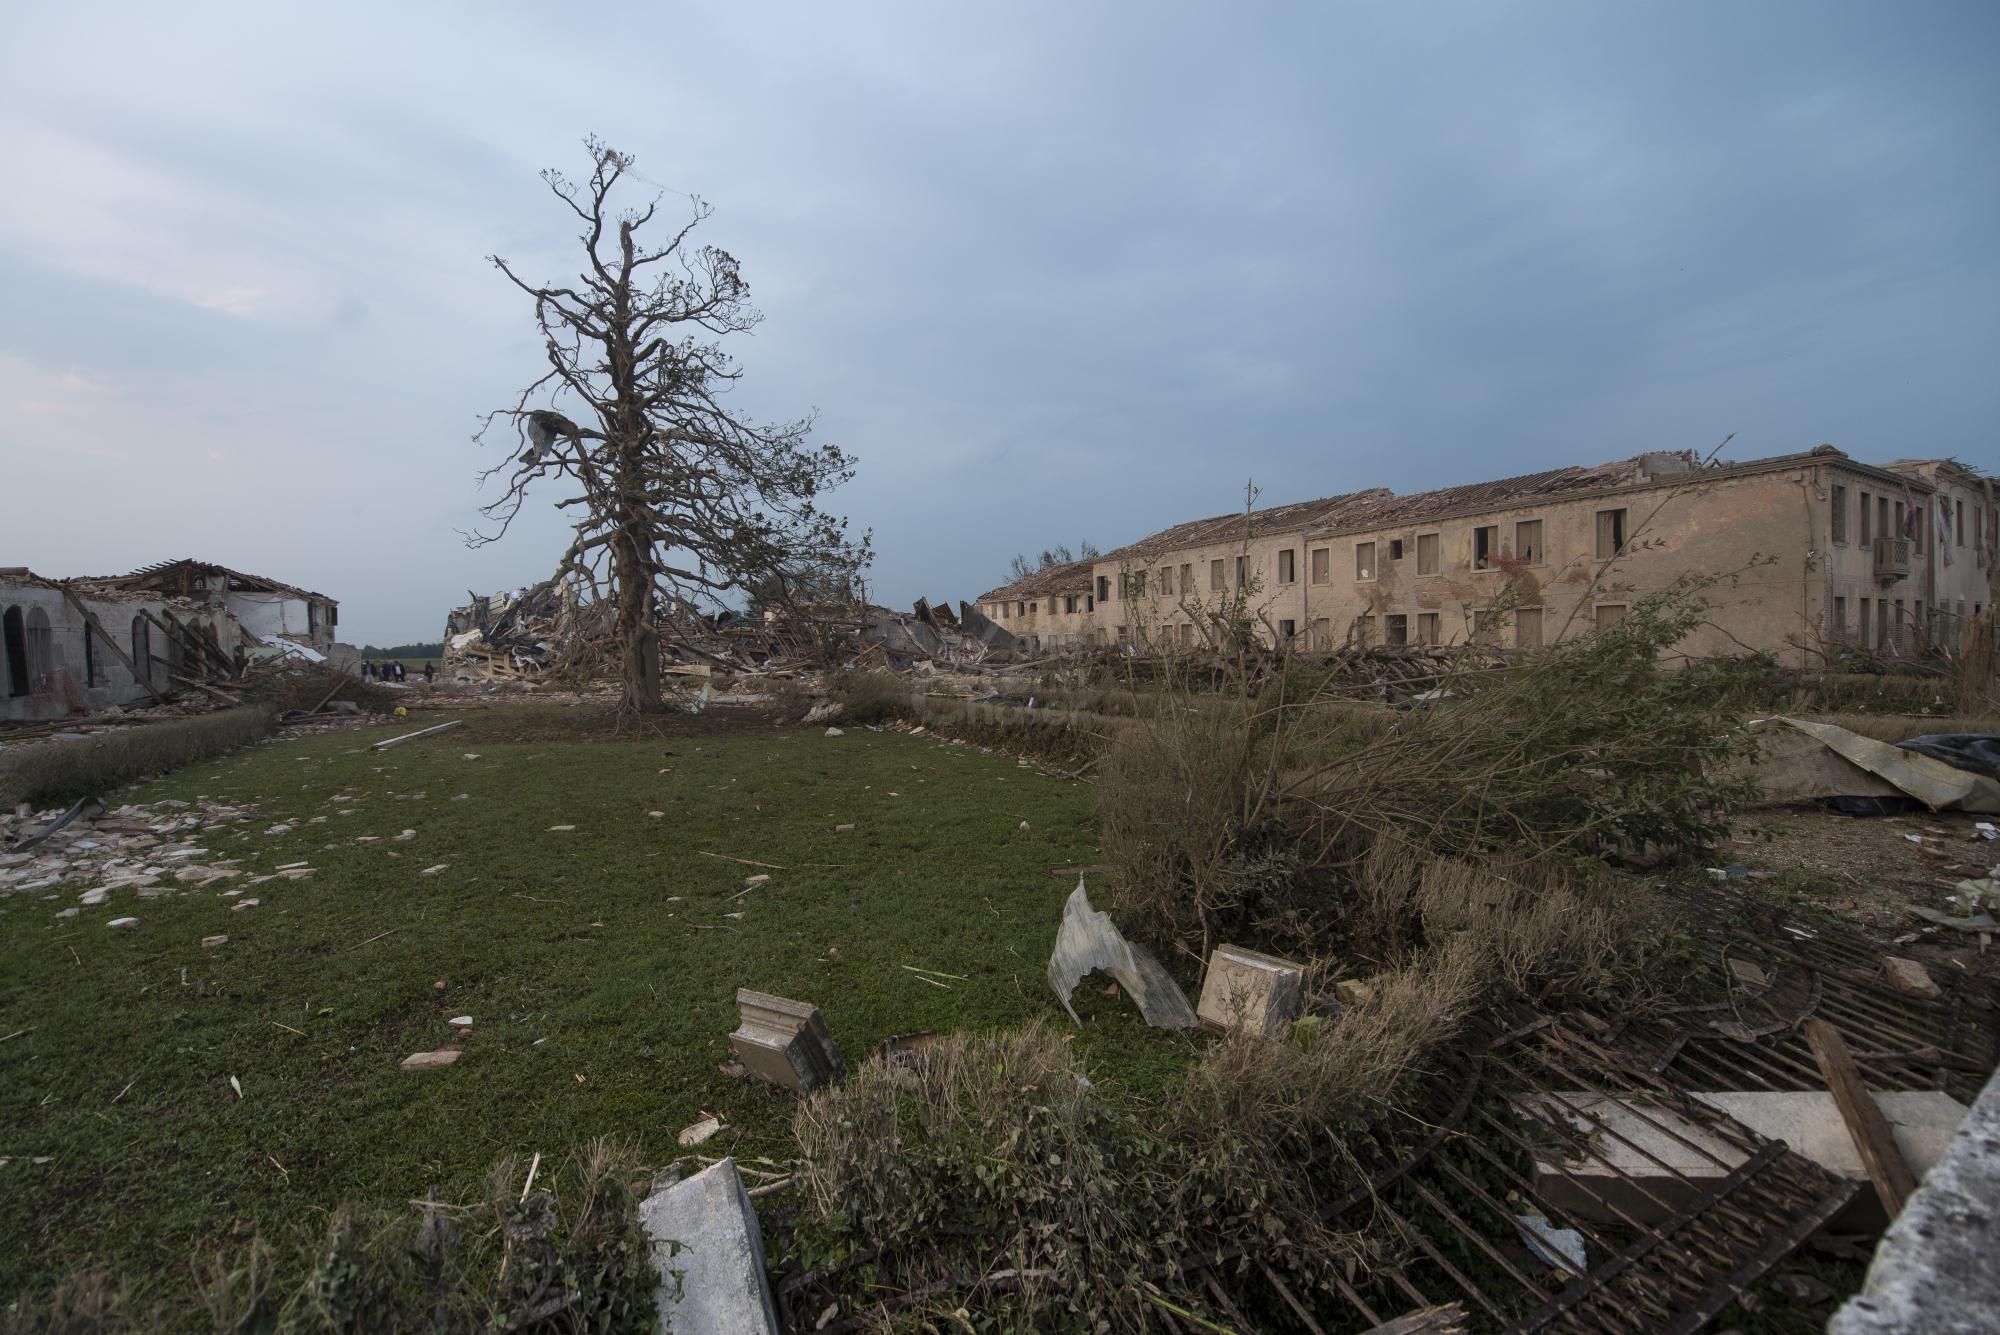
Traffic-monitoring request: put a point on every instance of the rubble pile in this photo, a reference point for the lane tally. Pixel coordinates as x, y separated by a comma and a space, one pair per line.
525, 635
549, 632
151, 849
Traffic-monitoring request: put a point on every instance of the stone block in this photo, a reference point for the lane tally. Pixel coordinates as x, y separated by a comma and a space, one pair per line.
1910, 977
709, 1254
1249, 990
430, 1061
785, 1042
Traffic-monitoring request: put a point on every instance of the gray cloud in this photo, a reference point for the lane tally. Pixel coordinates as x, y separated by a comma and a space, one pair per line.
1050, 271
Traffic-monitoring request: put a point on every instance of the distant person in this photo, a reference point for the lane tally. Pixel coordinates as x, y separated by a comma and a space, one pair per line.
400, 672
368, 670
430, 672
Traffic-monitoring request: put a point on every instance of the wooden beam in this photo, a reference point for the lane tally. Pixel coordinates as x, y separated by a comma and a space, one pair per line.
1869, 1129
412, 736
188, 640
91, 621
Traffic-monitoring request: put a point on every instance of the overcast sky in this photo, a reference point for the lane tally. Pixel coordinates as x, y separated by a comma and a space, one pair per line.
1050, 271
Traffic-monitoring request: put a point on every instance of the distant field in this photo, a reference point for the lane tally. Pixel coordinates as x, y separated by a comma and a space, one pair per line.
599, 966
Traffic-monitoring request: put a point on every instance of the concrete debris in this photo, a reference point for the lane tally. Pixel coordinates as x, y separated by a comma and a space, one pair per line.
429, 1061
1353, 992
1910, 977
1557, 1248
1087, 941
785, 1042
709, 1255
691, 1136
1248, 990
211, 942
123, 923
835, 732
134, 847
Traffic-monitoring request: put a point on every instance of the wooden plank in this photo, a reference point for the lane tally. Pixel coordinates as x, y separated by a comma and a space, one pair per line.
412, 736
1865, 1123
89, 620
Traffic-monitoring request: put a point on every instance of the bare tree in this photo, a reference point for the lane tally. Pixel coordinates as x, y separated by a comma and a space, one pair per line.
673, 495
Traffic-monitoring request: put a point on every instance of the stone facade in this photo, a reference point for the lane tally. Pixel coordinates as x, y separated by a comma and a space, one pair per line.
1525, 561
1054, 608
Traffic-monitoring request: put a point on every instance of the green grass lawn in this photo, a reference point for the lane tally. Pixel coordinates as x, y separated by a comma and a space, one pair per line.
599, 965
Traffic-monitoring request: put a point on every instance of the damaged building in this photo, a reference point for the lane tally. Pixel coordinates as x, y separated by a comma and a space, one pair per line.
78, 646
1826, 552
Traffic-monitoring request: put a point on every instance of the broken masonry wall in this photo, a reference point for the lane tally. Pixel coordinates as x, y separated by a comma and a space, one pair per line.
49, 674
273, 615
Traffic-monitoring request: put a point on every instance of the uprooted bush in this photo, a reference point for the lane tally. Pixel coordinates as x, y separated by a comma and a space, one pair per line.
1249, 821
92, 765
985, 1171
870, 697
556, 1254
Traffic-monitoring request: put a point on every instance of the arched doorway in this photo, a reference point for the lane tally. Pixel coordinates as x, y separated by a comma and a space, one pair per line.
142, 649
41, 651
17, 652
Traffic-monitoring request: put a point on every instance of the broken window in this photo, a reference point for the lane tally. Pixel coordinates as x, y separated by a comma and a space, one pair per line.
1882, 529
1186, 633
1895, 637
1839, 617
1322, 564
1486, 624
41, 651
1089, 603
89, 659
1287, 566
1322, 631
1839, 506
1527, 628
1864, 614
1609, 615
1364, 560
142, 648
1166, 581
1187, 580
1286, 630
1958, 525
1364, 630
17, 652
1867, 520
1020, 608
1427, 626
1395, 549
1610, 533
1484, 542
1121, 635
1069, 603
1136, 584
1528, 541
1215, 584
1396, 629
1427, 553
1241, 562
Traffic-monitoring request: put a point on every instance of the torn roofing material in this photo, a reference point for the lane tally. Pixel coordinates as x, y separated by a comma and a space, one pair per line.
1067, 578
1937, 785
1088, 941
